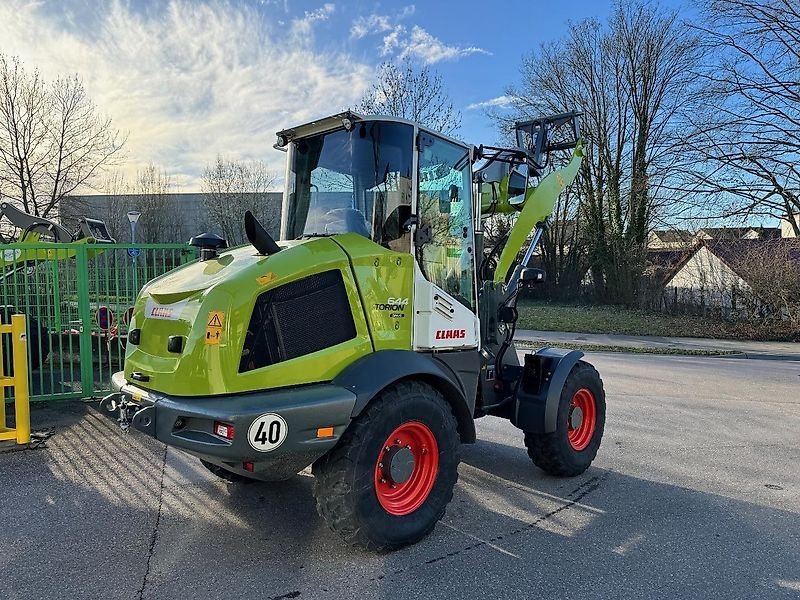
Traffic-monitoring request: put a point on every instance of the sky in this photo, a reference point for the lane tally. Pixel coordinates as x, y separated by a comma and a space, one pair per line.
190, 79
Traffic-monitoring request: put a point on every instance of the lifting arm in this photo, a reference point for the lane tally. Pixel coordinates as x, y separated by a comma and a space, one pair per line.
538, 205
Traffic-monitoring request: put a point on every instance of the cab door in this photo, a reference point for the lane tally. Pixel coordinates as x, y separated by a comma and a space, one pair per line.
445, 296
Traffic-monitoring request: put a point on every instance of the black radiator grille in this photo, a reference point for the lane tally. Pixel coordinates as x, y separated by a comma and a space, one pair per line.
296, 319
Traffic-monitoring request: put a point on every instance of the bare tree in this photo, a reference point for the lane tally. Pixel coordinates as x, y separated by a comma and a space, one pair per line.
52, 139
152, 195
746, 143
115, 210
563, 247
631, 77
413, 93
230, 188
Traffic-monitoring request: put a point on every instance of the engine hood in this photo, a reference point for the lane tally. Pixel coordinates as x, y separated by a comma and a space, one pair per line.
208, 305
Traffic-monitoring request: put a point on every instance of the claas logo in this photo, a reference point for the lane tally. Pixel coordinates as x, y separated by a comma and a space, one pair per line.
451, 334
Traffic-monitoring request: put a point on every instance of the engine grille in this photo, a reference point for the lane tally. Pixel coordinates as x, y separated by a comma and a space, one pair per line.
296, 319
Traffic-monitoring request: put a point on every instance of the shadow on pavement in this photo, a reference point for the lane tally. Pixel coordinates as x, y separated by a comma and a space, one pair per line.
90, 516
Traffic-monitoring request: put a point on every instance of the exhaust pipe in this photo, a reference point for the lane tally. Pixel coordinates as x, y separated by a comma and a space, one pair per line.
258, 236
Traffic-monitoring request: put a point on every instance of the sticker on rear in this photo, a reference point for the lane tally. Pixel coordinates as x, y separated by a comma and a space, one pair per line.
267, 432
216, 318
166, 312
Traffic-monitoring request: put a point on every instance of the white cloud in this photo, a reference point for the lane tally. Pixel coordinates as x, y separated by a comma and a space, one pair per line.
193, 79
499, 101
418, 43
364, 26
429, 49
321, 14
310, 17
392, 41
375, 23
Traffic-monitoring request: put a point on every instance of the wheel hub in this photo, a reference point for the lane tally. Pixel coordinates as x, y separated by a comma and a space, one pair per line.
398, 464
581, 419
576, 417
406, 468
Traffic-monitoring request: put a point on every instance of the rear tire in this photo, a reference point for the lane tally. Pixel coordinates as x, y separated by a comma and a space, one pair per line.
222, 473
571, 448
389, 479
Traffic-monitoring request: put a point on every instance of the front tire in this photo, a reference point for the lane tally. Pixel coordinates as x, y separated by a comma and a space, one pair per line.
571, 448
389, 479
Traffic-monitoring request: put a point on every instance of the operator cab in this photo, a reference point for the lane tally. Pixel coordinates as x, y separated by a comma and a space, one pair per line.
404, 187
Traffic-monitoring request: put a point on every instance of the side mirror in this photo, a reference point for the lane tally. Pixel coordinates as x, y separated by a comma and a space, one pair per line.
531, 277
518, 184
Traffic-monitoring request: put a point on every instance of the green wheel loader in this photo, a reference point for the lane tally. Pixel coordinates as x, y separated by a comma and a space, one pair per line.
370, 337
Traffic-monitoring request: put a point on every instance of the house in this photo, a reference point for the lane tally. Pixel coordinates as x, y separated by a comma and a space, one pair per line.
663, 261
731, 275
660, 239
787, 230
738, 233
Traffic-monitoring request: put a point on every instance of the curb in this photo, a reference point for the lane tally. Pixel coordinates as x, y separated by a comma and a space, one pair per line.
760, 356
659, 350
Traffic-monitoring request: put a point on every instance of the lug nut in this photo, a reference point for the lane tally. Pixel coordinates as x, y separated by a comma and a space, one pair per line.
382, 480
380, 465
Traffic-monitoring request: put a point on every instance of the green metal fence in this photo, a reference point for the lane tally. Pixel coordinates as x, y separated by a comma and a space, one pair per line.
77, 298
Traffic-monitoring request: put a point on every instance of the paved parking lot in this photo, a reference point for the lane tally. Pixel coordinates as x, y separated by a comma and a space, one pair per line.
695, 494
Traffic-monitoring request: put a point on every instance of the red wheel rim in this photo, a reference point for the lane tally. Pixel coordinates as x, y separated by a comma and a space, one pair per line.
406, 468
581, 419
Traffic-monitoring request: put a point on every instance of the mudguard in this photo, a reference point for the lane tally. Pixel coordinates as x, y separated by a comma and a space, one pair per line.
544, 375
370, 374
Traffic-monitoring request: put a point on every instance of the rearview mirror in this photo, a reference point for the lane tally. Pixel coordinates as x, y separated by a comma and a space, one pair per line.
531, 277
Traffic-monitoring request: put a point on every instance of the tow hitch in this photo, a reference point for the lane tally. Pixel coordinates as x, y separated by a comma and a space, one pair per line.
116, 402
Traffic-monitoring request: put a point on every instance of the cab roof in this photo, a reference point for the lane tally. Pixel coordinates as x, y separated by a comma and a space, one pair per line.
337, 120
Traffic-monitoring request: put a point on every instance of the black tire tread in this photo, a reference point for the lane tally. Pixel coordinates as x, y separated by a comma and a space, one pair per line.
333, 473
547, 450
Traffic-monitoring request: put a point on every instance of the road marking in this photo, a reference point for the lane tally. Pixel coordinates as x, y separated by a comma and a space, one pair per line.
481, 540
523, 488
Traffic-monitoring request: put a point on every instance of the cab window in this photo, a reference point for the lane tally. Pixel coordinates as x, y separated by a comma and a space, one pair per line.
445, 208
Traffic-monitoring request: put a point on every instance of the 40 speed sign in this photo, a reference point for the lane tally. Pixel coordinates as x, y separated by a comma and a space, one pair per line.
267, 432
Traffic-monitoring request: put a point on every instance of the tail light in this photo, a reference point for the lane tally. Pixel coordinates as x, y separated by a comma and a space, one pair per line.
224, 430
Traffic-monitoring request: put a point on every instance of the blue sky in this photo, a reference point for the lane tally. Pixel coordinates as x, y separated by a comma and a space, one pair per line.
190, 79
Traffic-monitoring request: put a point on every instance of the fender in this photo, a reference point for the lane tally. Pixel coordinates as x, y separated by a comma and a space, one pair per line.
368, 375
539, 393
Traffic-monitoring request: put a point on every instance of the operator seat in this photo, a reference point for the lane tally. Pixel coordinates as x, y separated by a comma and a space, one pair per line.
393, 234
346, 220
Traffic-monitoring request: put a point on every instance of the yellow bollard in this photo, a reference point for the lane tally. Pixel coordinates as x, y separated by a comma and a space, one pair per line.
19, 342
22, 405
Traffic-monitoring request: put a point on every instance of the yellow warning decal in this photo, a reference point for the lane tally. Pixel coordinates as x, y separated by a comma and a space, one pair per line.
266, 278
216, 318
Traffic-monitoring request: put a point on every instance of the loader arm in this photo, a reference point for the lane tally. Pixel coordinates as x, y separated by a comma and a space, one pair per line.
539, 204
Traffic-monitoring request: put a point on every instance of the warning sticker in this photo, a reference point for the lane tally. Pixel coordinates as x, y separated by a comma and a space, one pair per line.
265, 279
216, 318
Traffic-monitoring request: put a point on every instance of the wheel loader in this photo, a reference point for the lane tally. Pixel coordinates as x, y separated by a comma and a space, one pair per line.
368, 339
23, 241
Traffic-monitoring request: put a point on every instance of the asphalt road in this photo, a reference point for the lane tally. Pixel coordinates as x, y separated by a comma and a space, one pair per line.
695, 493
